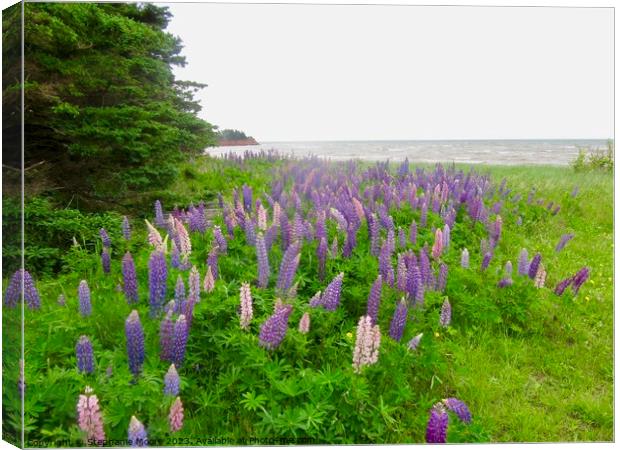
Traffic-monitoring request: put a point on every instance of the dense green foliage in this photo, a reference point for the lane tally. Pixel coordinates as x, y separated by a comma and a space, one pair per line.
532, 366
231, 135
104, 116
601, 160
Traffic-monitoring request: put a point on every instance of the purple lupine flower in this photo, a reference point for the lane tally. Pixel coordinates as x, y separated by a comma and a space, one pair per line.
465, 258
31, 294
212, 261
437, 426
504, 282
220, 239
351, 241
580, 278
533, 270
425, 266
273, 330
166, 337
446, 314
84, 355
524, 262
179, 291
14, 289
508, 268
84, 296
442, 278
556, 210
172, 382
126, 228
158, 275
159, 215
575, 191
562, 285
181, 332
486, 260
21, 380
397, 326
263, 261
247, 197
563, 241
130, 282
391, 241
331, 296
304, 323
136, 435
322, 257
135, 342
374, 299
402, 239
194, 287
373, 232
415, 342
316, 300
250, 232
175, 257
413, 232
105, 260
446, 236
105, 238
288, 267
459, 408
423, 213
401, 274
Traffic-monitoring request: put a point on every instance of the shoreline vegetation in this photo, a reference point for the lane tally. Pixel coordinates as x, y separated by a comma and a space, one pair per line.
530, 365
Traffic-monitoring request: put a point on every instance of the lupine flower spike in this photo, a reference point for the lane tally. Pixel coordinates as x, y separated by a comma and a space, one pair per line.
135, 342
84, 355
367, 342
84, 296
304, 323
246, 306
136, 435
172, 382
89, 416
175, 418
446, 314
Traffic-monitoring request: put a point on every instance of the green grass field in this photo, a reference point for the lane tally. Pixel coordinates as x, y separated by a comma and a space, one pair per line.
531, 366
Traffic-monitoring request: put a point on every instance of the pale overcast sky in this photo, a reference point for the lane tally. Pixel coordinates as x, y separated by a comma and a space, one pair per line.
302, 72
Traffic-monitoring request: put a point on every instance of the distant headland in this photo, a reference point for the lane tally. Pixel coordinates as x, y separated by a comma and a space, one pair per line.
234, 137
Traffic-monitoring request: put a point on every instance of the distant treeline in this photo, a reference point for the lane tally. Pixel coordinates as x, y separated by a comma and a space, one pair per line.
231, 135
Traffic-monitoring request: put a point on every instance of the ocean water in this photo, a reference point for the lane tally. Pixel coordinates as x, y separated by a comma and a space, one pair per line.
550, 152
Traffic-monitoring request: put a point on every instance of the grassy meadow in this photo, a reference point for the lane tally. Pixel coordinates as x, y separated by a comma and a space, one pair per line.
531, 366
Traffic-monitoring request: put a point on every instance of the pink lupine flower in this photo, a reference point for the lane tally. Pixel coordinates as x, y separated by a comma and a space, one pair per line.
368, 339
246, 306
89, 416
209, 282
261, 214
438, 245
541, 275
154, 237
304, 323
175, 417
